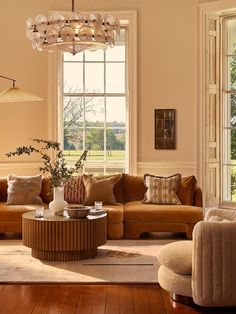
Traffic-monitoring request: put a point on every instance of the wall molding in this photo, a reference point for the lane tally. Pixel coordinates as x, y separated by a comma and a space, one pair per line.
167, 168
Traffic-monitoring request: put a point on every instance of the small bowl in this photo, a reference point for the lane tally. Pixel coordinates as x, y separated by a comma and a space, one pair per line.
77, 211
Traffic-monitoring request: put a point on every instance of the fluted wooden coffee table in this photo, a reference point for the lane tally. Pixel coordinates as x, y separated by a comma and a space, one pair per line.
56, 238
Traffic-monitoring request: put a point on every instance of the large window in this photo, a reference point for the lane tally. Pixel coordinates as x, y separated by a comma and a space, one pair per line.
95, 107
229, 110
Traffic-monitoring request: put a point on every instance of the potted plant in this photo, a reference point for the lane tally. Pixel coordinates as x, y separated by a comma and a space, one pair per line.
59, 171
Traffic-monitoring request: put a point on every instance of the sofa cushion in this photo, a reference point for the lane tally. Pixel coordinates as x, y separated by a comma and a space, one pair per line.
186, 190
149, 213
161, 190
24, 190
99, 190
13, 213
74, 190
134, 188
177, 256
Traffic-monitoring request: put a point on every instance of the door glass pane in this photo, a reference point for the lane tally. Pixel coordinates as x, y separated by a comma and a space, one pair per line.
231, 25
229, 177
73, 77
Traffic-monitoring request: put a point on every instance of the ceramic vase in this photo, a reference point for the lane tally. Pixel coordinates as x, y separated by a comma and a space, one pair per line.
58, 204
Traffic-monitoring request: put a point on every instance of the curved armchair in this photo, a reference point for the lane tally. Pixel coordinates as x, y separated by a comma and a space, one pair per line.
209, 274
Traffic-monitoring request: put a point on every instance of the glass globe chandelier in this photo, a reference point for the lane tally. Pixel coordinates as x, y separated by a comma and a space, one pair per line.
72, 32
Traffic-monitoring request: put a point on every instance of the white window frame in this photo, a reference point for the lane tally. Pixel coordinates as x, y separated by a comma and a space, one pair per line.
55, 83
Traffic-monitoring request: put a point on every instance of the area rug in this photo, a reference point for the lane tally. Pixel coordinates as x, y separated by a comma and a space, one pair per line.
119, 261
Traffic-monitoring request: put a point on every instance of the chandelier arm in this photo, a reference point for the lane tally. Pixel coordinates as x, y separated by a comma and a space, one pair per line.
73, 5
10, 79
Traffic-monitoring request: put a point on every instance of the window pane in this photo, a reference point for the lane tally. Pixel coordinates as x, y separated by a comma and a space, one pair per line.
73, 77
94, 77
94, 143
229, 177
232, 73
231, 36
117, 53
116, 111
94, 111
73, 111
115, 78
115, 169
115, 144
97, 55
96, 171
70, 57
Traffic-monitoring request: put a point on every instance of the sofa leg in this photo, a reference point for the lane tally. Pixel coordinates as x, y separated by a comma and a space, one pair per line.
182, 299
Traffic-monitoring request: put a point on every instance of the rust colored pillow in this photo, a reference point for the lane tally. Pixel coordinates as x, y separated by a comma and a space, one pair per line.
118, 188
186, 190
134, 188
24, 190
47, 190
74, 190
99, 190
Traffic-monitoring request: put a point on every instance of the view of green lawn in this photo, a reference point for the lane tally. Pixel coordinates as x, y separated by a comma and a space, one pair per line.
95, 155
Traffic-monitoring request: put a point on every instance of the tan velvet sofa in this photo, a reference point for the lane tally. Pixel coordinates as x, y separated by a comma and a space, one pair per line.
129, 218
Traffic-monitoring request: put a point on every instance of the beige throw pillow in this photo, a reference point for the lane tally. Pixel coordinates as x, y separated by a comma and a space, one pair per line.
99, 190
162, 190
24, 190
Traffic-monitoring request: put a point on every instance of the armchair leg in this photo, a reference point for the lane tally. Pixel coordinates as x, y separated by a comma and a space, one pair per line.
182, 299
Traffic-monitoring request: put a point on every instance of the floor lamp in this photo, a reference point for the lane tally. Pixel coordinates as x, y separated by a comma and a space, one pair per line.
15, 94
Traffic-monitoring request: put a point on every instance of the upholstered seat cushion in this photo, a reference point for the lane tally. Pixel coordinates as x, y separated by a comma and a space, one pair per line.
173, 282
137, 212
177, 256
115, 213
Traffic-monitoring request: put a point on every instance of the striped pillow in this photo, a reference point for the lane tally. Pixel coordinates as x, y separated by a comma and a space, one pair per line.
162, 190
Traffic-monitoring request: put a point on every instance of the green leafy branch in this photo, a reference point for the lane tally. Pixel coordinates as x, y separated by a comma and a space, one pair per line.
58, 169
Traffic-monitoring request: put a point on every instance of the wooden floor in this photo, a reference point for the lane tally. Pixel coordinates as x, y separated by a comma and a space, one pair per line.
93, 299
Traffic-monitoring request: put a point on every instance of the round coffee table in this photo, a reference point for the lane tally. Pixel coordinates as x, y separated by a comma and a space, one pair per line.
57, 238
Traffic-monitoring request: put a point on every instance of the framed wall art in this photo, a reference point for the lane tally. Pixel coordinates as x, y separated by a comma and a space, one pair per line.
165, 129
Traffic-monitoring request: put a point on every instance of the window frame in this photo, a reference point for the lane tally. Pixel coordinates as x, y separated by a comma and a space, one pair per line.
55, 84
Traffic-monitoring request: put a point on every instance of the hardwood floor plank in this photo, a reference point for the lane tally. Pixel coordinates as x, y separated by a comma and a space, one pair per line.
112, 300
99, 299
58, 300
72, 300
43, 303
29, 297
85, 300
13, 301
126, 299
6, 294
141, 300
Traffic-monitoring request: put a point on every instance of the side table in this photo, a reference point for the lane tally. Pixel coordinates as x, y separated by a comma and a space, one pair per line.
57, 238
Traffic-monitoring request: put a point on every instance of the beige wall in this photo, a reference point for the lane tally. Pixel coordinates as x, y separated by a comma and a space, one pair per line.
166, 75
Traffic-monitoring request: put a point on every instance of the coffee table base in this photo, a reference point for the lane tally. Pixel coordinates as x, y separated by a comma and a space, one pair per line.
63, 256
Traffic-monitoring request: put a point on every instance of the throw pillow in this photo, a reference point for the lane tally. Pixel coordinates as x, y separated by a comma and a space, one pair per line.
161, 190
99, 190
47, 190
186, 190
74, 190
24, 190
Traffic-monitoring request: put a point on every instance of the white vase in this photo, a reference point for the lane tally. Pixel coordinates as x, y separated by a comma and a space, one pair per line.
58, 204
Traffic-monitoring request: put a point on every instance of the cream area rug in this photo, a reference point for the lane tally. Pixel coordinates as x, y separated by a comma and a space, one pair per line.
118, 261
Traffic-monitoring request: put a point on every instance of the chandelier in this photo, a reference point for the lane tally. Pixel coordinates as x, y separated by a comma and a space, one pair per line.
72, 32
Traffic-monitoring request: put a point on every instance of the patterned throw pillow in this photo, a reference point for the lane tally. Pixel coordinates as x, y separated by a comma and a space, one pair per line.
161, 190
74, 190
24, 190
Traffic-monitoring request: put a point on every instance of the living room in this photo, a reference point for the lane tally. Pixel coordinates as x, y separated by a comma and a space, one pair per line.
168, 60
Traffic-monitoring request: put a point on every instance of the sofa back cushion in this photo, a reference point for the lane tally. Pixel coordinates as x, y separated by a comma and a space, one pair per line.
47, 190
134, 188
186, 190
3, 189
118, 188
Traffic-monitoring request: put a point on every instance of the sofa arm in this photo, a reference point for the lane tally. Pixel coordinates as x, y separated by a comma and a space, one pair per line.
214, 260
197, 200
